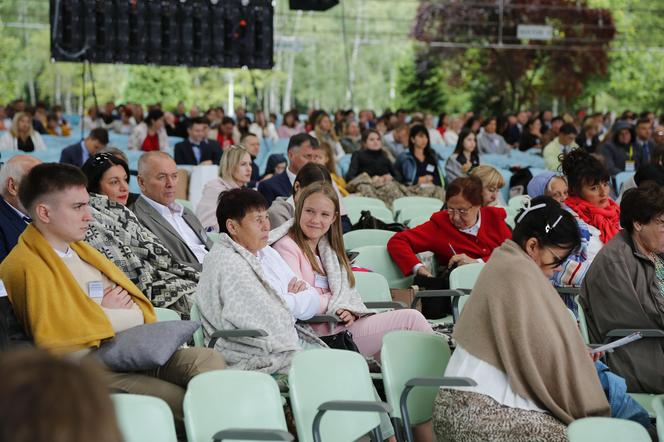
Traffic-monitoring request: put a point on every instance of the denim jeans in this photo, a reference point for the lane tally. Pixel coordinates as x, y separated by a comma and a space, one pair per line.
622, 405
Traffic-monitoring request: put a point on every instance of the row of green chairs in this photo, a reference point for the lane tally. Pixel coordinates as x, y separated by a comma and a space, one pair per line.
403, 209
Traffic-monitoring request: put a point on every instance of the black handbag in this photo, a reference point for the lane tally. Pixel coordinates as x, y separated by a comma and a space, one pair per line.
368, 221
341, 341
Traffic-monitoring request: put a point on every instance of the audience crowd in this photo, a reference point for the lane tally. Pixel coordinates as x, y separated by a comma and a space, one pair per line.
84, 261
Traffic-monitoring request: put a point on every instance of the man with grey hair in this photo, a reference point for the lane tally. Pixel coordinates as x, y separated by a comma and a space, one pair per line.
176, 226
13, 217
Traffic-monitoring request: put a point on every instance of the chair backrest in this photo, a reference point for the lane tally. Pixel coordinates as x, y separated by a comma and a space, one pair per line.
362, 201
621, 178
166, 314
366, 237
464, 277
143, 418
513, 208
322, 375
195, 315
417, 221
223, 399
602, 429
372, 287
185, 203
658, 406
377, 259
382, 213
406, 355
214, 236
583, 324
414, 206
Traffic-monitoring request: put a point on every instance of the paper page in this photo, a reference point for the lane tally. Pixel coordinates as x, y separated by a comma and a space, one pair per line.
619, 343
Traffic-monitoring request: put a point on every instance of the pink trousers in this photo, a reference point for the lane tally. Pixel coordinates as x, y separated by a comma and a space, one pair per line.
368, 331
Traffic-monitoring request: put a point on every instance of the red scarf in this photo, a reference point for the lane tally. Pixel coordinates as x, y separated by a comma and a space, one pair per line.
607, 220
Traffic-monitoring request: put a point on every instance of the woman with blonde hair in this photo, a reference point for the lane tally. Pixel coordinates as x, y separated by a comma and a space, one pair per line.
234, 172
324, 132
328, 160
21, 135
492, 182
312, 245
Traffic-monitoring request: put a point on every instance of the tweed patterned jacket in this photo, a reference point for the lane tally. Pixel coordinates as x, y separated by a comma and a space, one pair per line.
117, 234
233, 293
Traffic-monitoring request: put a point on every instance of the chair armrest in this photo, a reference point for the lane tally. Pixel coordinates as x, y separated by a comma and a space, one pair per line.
435, 294
257, 434
397, 305
427, 382
441, 382
238, 333
645, 333
322, 319
568, 290
357, 406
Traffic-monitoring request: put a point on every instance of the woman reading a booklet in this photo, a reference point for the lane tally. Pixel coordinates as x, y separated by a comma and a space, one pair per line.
520, 344
624, 289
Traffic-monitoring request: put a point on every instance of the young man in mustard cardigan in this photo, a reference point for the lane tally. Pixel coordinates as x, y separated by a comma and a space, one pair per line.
70, 298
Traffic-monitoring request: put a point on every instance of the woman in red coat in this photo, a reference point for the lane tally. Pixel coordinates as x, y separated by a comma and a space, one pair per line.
462, 234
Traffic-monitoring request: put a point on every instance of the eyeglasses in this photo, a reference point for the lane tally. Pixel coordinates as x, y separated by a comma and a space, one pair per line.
558, 261
460, 212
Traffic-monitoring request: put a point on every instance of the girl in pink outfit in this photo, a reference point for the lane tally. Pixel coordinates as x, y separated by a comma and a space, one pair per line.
313, 248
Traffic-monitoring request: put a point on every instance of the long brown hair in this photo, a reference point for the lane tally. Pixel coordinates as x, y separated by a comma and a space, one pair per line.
44, 397
334, 234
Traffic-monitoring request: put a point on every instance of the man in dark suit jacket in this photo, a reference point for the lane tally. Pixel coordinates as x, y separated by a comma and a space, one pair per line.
176, 226
77, 154
196, 150
301, 149
13, 218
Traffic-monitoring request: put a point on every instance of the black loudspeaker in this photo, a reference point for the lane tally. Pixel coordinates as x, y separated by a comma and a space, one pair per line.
223, 33
312, 5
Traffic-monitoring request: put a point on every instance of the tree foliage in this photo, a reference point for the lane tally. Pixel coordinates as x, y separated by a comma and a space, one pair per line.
514, 76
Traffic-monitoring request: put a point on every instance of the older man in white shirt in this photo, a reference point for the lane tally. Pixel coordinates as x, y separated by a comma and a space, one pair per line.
176, 226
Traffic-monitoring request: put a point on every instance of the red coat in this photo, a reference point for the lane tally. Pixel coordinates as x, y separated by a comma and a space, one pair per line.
437, 234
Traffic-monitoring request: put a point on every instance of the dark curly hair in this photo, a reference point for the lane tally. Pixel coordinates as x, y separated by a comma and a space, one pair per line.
581, 168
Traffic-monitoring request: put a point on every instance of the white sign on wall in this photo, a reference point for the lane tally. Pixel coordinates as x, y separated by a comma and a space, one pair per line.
534, 32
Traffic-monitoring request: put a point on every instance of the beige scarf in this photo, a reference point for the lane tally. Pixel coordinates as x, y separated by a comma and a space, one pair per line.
515, 321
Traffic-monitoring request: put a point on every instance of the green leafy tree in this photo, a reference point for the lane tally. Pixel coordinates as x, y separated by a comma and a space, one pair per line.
147, 85
421, 85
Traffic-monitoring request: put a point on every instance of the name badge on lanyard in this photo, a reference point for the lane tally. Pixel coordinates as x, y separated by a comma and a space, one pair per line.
630, 166
95, 289
430, 168
320, 281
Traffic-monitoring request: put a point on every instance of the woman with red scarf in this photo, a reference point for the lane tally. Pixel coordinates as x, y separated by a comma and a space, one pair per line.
588, 181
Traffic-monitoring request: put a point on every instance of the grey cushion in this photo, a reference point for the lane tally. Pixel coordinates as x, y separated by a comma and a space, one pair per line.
145, 346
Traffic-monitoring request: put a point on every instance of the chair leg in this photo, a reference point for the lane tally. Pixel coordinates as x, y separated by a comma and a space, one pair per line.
376, 435
398, 429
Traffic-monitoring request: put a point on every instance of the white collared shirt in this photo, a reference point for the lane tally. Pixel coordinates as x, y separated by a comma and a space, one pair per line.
21, 215
291, 176
472, 230
303, 305
173, 214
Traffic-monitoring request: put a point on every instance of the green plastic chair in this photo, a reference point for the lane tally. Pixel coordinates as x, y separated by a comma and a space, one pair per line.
362, 201
185, 203
366, 237
214, 236
658, 407
402, 203
514, 206
377, 259
382, 213
417, 221
166, 314
463, 278
375, 291
234, 404
144, 418
606, 429
195, 315
646, 401
332, 396
413, 364
583, 324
